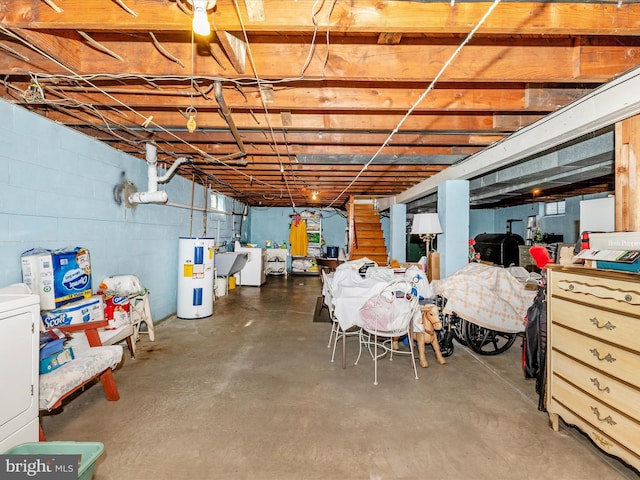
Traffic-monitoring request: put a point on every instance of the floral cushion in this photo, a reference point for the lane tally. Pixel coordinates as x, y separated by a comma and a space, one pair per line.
88, 362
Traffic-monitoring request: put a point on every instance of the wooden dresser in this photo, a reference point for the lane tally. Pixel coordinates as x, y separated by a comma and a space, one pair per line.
593, 356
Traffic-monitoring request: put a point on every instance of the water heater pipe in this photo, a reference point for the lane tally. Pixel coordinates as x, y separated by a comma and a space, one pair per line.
152, 195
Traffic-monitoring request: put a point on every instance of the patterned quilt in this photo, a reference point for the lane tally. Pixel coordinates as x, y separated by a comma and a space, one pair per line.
486, 295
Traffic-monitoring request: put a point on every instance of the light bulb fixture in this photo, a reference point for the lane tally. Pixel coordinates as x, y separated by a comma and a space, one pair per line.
314, 195
201, 25
191, 122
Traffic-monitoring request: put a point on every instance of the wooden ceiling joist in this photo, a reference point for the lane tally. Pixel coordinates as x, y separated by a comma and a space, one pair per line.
332, 86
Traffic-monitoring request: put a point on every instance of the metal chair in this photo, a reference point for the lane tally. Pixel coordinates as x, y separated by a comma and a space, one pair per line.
389, 314
336, 330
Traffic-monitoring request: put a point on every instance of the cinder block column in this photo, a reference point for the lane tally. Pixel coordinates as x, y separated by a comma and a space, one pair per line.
453, 212
398, 236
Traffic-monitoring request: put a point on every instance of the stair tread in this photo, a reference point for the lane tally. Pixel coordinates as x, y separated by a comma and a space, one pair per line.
368, 234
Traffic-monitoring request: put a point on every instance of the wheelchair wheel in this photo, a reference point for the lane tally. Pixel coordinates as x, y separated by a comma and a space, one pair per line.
487, 342
445, 340
457, 328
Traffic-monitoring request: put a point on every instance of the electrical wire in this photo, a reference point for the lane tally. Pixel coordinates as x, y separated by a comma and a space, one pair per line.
147, 121
420, 98
264, 104
312, 46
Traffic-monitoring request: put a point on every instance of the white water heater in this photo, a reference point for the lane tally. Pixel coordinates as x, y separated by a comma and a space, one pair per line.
195, 277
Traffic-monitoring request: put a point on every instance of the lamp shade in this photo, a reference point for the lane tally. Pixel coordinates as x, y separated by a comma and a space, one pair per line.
425, 223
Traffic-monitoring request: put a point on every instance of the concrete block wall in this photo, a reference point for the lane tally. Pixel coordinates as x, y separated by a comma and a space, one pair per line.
56, 190
273, 223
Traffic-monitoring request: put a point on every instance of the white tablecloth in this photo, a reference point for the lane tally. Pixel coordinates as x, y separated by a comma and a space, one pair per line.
346, 291
348, 294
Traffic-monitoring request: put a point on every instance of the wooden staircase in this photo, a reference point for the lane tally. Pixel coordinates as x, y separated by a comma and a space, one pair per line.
365, 231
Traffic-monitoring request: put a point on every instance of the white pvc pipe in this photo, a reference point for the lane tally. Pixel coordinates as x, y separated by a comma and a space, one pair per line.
152, 195
149, 197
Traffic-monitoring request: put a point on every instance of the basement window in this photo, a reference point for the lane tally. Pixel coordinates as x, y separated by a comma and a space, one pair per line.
214, 201
554, 208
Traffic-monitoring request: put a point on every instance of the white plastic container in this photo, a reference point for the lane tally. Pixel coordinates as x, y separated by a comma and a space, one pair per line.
195, 277
221, 286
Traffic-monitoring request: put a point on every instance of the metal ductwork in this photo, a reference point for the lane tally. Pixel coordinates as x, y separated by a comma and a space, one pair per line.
226, 113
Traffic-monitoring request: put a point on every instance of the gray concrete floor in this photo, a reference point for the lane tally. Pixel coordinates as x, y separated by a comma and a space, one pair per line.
250, 392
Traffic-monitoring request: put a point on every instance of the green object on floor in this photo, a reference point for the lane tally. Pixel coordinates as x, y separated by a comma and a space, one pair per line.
89, 452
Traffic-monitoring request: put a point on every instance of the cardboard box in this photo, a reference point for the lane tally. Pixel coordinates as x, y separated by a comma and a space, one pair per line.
80, 311
57, 277
56, 360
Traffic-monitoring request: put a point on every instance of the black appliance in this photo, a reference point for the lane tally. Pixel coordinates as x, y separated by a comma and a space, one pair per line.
499, 248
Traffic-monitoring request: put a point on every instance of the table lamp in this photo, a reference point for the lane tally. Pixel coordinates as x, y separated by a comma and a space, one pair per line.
427, 226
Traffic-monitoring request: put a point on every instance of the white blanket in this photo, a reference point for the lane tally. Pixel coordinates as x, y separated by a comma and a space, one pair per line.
486, 295
347, 292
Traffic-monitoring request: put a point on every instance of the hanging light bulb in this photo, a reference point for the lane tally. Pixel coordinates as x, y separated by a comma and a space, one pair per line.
201, 24
191, 122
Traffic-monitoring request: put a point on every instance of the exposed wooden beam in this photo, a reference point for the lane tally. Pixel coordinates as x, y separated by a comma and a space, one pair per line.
235, 48
62, 47
338, 121
501, 96
484, 60
372, 16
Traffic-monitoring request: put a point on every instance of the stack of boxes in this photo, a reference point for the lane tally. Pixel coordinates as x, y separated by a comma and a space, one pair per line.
62, 279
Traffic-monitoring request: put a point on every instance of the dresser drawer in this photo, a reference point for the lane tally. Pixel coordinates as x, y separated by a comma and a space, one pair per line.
599, 292
603, 441
608, 390
612, 327
613, 361
612, 423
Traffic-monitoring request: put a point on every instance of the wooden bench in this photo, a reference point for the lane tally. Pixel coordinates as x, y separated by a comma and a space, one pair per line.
90, 363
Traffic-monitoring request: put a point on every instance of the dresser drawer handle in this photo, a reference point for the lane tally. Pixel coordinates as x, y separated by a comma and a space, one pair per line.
607, 357
596, 383
606, 419
606, 326
630, 297
602, 441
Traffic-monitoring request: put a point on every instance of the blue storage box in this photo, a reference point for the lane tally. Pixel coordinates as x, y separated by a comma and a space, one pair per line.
621, 266
56, 360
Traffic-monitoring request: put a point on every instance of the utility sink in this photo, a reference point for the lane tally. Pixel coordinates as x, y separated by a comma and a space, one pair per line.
228, 263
